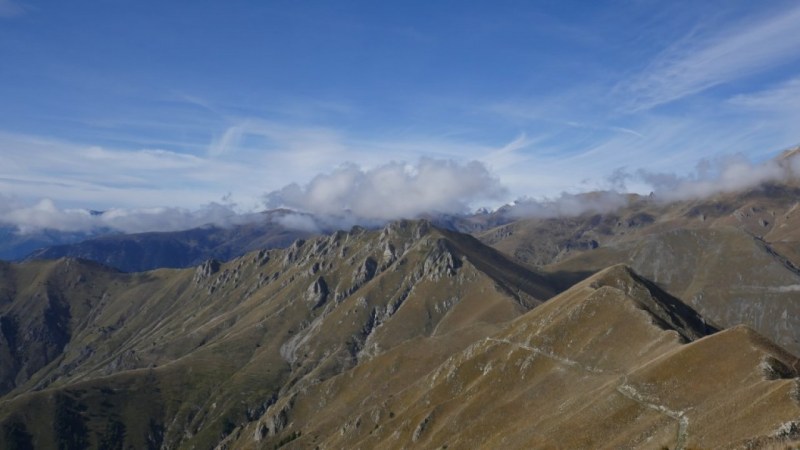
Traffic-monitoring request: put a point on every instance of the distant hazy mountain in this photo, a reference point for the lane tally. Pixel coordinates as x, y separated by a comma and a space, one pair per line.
176, 249
15, 245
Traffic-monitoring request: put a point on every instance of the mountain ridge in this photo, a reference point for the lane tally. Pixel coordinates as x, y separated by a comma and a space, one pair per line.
702, 251
140, 252
500, 391
302, 314
416, 335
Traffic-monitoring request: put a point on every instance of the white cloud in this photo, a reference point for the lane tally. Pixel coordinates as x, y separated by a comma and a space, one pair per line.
146, 159
40, 215
730, 174
264, 157
44, 214
569, 205
710, 177
299, 221
299, 145
392, 191
696, 64
510, 154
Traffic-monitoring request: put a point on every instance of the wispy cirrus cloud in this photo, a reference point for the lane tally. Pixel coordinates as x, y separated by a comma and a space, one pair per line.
699, 62
9, 8
250, 157
288, 146
782, 97
81, 176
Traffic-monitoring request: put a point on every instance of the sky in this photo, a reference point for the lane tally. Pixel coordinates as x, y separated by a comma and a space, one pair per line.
185, 108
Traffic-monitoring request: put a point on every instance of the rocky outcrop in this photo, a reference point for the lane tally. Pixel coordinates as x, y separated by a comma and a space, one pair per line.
365, 271
440, 262
205, 270
317, 293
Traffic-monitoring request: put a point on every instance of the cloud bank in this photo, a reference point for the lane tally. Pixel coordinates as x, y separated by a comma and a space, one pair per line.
721, 175
710, 177
391, 191
568, 205
352, 195
44, 214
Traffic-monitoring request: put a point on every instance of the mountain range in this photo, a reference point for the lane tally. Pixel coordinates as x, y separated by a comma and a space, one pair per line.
138, 252
654, 326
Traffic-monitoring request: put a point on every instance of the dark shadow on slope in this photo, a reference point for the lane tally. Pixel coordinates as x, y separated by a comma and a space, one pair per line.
499, 267
668, 312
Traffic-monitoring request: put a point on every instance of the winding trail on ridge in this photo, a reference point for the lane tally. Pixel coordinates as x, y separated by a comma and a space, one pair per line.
625, 389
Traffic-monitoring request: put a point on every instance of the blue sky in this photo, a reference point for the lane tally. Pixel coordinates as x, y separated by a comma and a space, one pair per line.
136, 104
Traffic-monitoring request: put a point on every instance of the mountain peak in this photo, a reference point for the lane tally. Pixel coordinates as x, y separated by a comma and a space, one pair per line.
622, 292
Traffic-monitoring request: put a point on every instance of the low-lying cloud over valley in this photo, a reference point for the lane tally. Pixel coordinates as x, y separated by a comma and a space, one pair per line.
354, 195
45, 214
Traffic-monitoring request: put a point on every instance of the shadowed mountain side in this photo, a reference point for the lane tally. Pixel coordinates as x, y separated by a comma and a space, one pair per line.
184, 357
500, 267
15, 244
598, 366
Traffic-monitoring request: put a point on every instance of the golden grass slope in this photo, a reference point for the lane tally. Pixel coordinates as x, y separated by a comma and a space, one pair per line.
611, 363
183, 358
405, 337
733, 257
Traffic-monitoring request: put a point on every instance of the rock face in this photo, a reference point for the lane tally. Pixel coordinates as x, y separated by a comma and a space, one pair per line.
365, 272
205, 270
317, 293
440, 262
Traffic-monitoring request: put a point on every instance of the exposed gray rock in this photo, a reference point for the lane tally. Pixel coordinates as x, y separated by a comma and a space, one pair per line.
293, 252
421, 427
317, 293
274, 420
205, 270
440, 262
365, 272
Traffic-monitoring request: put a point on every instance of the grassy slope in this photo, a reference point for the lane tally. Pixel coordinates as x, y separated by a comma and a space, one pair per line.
210, 349
405, 337
595, 367
734, 257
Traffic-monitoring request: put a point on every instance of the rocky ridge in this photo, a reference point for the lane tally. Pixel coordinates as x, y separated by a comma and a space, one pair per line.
209, 350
